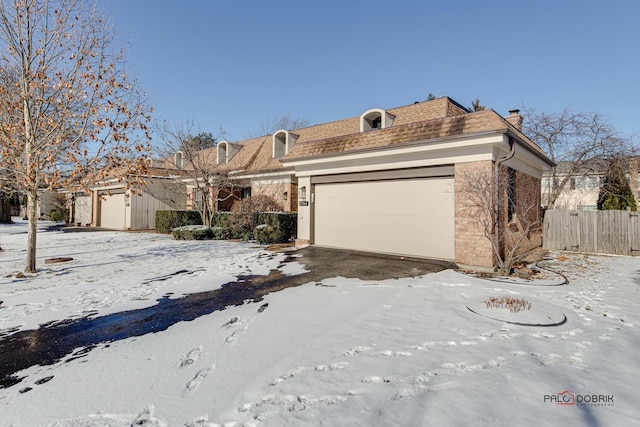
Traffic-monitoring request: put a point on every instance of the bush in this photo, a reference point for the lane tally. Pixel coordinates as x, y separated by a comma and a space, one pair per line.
221, 233
168, 220
275, 227
192, 232
56, 215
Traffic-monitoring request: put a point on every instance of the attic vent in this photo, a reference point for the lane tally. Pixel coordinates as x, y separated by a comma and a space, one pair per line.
179, 162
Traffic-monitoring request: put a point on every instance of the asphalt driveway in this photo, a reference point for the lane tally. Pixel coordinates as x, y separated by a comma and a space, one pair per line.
325, 263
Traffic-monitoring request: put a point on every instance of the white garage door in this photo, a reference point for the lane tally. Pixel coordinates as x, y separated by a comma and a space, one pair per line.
83, 209
112, 211
401, 216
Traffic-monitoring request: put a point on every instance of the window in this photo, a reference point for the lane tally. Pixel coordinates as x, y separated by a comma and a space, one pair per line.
246, 193
198, 196
375, 119
572, 183
511, 194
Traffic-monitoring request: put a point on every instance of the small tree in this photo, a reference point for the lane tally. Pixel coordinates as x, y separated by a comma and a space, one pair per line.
67, 108
615, 191
193, 157
476, 106
489, 197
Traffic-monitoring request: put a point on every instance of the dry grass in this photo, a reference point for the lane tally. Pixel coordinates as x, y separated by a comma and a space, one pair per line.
513, 304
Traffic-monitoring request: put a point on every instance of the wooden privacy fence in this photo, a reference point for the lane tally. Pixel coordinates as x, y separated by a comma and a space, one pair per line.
604, 232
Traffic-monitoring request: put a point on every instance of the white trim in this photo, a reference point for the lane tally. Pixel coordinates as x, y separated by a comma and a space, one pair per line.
282, 145
289, 172
386, 119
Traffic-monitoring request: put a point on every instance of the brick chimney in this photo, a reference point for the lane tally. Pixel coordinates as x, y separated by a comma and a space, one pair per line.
515, 119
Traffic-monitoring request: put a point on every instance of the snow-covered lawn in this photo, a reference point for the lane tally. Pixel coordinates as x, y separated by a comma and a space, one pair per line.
345, 352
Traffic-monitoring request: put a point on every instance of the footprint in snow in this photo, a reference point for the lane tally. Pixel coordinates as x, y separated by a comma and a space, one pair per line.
332, 367
395, 353
288, 375
233, 321
195, 382
356, 350
190, 357
146, 419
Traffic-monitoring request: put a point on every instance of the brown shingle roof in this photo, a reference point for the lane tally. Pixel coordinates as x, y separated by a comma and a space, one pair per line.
424, 130
461, 124
439, 118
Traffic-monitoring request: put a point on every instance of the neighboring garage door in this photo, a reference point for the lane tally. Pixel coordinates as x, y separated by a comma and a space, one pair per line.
83, 209
112, 211
399, 216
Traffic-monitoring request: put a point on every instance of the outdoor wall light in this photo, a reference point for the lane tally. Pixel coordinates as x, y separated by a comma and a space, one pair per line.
303, 193
285, 196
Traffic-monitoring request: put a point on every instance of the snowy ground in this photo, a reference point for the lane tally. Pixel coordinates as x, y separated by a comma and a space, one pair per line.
345, 352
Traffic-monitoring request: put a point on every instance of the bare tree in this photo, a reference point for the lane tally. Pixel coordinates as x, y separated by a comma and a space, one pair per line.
509, 225
285, 122
68, 110
577, 142
193, 156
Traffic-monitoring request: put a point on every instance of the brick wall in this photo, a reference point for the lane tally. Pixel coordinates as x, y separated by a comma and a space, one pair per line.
528, 216
472, 248
277, 192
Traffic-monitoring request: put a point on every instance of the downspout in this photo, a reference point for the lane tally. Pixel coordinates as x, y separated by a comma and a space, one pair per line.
496, 195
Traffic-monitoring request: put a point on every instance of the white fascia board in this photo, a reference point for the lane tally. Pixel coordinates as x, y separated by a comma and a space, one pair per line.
266, 175
272, 180
425, 153
412, 146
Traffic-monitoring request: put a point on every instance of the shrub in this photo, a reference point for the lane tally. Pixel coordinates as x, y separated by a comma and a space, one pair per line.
166, 221
192, 232
56, 215
221, 233
275, 227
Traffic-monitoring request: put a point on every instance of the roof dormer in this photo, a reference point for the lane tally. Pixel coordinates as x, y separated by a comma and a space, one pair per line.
225, 150
375, 119
179, 160
283, 142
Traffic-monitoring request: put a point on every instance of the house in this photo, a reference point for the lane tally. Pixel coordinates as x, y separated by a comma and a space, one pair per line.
111, 204
384, 181
582, 187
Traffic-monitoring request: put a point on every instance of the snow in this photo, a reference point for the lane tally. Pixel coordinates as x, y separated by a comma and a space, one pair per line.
406, 352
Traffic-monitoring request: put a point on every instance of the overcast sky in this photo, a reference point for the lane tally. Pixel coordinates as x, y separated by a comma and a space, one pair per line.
235, 64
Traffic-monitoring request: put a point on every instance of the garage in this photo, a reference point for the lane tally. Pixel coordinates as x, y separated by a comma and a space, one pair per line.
112, 211
82, 209
411, 216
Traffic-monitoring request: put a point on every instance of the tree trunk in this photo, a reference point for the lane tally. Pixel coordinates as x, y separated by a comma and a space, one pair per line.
32, 212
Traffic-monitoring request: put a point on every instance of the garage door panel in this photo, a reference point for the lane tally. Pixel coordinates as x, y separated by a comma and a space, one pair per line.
112, 211
411, 216
83, 209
